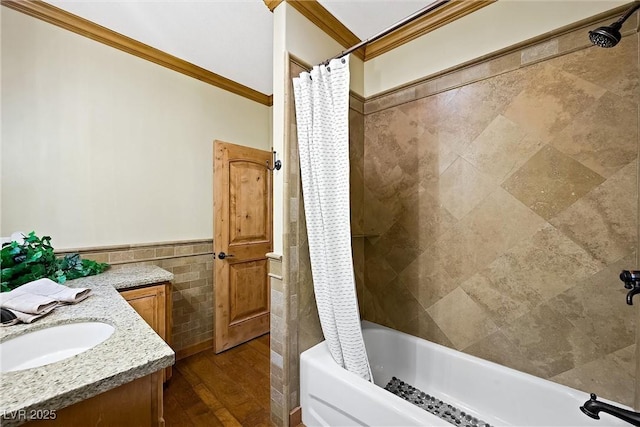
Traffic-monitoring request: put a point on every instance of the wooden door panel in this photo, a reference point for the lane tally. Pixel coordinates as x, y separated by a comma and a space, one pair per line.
248, 296
242, 229
248, 191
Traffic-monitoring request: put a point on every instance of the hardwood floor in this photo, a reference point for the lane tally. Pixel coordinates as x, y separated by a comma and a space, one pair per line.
227, 389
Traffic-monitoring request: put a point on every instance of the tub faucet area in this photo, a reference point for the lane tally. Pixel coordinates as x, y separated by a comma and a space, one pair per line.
593, 406
631, 293
631, 281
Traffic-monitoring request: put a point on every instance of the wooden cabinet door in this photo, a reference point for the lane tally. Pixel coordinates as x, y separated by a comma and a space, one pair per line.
149, 303
133, 404
242, 238
153, 304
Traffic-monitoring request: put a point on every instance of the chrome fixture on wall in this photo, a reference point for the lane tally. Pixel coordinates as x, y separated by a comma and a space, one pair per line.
631, 281
610, 36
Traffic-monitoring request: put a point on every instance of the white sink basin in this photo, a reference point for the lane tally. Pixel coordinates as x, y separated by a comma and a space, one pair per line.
44, 346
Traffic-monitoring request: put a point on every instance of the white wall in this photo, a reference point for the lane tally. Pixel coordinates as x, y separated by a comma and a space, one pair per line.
497, 26
100, 147
295, 34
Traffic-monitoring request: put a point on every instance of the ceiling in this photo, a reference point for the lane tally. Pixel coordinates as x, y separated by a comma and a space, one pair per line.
232, 38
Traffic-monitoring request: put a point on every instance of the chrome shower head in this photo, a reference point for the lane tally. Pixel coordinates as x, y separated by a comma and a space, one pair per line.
606, 36
610, 36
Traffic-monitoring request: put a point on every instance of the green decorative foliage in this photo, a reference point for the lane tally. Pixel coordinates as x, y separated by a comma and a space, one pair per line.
34, 259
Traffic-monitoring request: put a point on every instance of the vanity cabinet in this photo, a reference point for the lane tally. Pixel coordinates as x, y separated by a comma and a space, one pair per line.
113, 384
134, 404
139, 402
153, 304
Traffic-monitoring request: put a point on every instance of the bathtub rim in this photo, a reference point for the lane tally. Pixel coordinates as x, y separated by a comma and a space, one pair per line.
367, 325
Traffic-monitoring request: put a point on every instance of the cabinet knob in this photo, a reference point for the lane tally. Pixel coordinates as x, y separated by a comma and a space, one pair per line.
222, 255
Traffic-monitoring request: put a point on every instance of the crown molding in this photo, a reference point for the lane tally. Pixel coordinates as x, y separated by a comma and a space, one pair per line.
423, 25
272, 4
569, 38
78, 25
328, 23
323, 19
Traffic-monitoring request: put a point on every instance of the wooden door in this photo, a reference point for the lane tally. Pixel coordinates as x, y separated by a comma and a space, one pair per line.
242, 238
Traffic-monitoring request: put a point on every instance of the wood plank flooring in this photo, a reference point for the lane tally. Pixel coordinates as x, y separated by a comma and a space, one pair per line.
226, 389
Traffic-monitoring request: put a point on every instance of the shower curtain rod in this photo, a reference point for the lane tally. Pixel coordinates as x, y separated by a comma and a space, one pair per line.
430, 7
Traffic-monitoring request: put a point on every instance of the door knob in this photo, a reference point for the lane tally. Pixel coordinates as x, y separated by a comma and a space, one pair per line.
222, 255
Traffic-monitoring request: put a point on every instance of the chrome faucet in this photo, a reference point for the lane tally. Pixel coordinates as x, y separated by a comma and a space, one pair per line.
593, 407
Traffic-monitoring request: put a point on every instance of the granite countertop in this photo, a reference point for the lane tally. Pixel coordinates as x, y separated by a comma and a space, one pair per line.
133, 351
126, 277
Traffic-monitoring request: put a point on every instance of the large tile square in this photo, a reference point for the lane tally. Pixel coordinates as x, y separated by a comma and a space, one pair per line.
502, 220
502, 297
550, 182
613, 69
461, 319
434, 158
596, 306
529, 273
398, 246
498, 349
377, 272
604, 137
501, 149
462, 122
397, 303
462, 187
605, 376
604, 222
379, 216
551, 101
462, 252
552, 344
427, 280
424, 327
423, 216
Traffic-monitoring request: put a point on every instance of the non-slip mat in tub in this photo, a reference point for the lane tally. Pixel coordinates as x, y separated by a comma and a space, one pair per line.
433, 405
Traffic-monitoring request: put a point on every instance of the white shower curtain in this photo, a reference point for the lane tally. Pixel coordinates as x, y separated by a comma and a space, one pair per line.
322, 115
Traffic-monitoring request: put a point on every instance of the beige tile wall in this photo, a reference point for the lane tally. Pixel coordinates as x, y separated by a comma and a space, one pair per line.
356, 178
278, 336
506, 204
285, 287
191, 262
309, 331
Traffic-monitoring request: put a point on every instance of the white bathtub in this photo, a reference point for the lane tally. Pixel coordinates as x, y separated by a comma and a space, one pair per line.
332, 396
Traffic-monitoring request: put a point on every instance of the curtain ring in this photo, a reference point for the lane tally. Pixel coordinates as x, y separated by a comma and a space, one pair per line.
342, 60
329, 69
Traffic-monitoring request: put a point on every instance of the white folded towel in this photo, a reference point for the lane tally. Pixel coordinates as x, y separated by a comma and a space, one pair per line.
17, 300
26, 317
48, 288
36, 299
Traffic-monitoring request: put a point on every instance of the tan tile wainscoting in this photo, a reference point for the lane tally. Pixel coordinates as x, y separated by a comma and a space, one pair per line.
191, 262
278, 372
